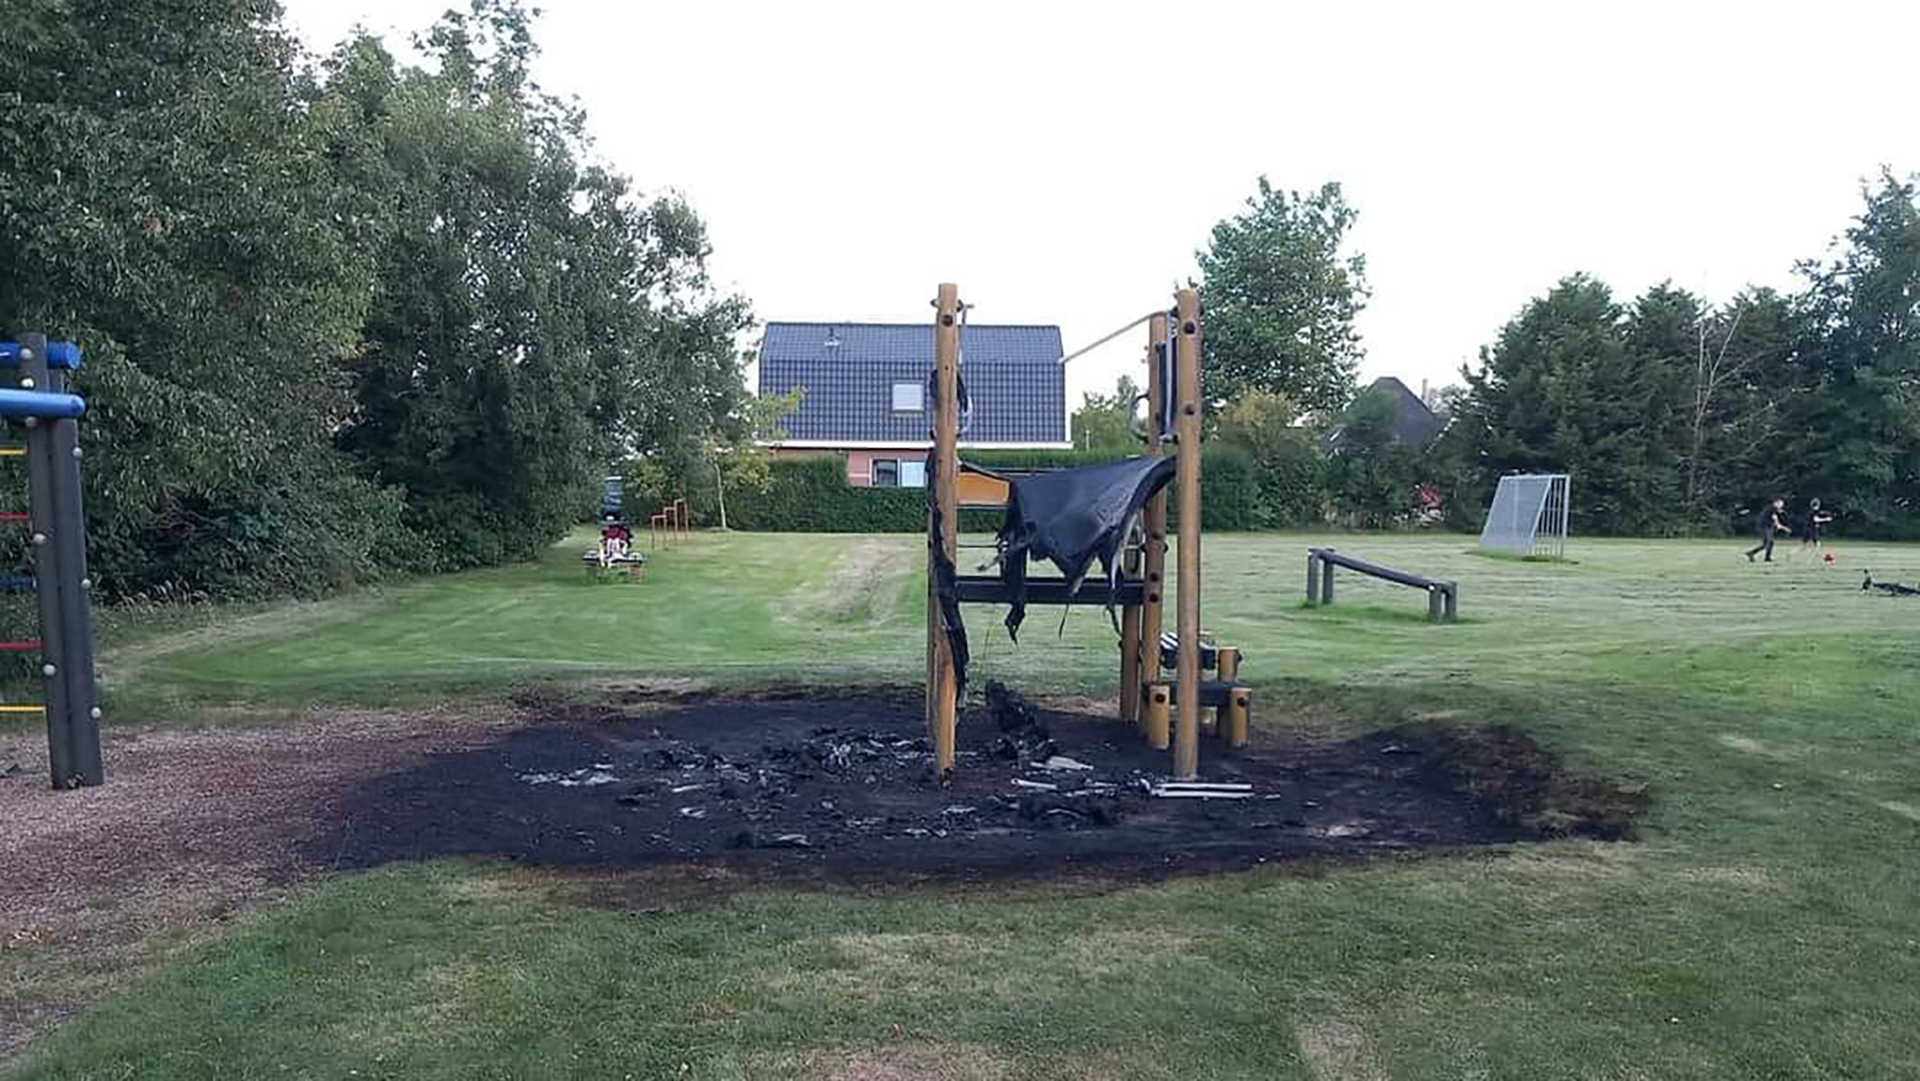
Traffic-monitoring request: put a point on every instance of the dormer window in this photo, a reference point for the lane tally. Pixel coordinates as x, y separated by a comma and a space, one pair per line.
907, 398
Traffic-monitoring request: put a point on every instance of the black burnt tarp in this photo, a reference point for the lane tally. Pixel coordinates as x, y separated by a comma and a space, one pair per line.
1072, 517
1069, 517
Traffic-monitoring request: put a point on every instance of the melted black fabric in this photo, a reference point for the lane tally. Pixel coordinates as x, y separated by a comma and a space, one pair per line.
1070, 516
1073, 517
946, 597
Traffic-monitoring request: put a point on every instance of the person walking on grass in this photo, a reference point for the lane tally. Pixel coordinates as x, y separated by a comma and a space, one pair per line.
1771, 520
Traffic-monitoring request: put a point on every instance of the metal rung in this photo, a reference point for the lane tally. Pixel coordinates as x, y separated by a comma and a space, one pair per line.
15, 516
20, 647
23, 709
13, 452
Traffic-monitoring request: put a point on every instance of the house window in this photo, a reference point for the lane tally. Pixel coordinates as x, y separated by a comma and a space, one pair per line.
906, 398
913, 474
886, 473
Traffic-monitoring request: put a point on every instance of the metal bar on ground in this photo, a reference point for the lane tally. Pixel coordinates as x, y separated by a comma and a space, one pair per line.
1186, 749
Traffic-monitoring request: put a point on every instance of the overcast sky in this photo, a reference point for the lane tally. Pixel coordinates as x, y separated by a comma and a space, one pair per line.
1062, 162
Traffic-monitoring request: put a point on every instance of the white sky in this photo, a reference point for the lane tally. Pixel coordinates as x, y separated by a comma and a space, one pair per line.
1062, 162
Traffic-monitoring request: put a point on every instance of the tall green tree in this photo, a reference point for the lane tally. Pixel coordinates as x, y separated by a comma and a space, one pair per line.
1854, 417
532, 321
167, 198
1281, 298
1562, 390
1733, 406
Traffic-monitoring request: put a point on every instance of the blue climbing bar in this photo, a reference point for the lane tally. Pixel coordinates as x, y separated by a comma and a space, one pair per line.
41, 403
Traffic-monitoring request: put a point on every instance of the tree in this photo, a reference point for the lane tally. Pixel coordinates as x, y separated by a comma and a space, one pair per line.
741, 460
1561, 391
1281, 299
1734, 405
1286, 458
1105, 422
1855, 412
167, 199
532, 321
1371, 473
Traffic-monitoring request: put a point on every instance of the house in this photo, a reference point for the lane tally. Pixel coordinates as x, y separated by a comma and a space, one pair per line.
1417, 424
868, 393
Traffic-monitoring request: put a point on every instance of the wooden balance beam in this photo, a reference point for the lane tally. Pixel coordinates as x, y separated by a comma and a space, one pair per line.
1443, 597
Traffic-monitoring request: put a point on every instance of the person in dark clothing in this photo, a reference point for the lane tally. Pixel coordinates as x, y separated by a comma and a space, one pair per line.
1815, 519
1771, 520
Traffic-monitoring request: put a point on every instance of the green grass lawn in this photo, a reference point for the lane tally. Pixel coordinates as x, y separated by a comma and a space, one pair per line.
1765, 927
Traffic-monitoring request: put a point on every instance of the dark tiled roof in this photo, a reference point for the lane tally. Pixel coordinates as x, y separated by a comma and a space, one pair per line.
1013, 376
1417, 424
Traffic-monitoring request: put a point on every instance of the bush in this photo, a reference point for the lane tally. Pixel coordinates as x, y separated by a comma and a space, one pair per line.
306, 527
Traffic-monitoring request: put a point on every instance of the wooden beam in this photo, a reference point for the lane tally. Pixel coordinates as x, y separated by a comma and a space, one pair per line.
1155, 576
944, 688
1186, 743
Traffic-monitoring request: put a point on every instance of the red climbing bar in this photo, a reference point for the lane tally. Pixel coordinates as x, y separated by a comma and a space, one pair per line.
15, 516
19, 647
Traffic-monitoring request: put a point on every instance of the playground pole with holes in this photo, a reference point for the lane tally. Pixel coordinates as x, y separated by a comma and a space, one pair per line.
38, 404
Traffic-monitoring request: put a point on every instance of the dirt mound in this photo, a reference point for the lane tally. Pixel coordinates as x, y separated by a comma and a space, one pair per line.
842, 788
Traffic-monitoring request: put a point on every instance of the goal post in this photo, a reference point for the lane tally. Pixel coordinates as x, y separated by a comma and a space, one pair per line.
1529, 516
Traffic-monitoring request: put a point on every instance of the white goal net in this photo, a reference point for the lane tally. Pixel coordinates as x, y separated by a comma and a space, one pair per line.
1529, 516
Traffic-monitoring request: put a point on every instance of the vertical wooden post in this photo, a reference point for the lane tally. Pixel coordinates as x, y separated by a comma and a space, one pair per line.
1326, 580
1313, 578
1152, 605
1436, 604
1236, 718
1186, 743
1154, 716
943, 691
1453, 603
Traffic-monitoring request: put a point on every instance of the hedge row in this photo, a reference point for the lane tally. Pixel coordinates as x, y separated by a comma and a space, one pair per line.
811, 495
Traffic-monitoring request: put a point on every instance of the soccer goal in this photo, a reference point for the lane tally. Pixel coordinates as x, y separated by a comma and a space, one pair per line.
1529, 516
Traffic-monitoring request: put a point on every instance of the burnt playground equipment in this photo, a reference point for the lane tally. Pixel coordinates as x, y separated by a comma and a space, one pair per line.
1115, 512
39, 402
1443, 596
